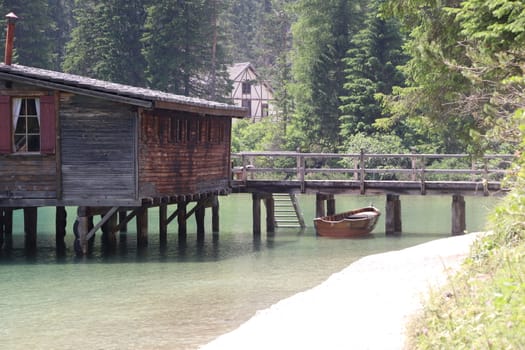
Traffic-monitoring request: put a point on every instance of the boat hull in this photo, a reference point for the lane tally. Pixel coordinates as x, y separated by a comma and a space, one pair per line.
353, 223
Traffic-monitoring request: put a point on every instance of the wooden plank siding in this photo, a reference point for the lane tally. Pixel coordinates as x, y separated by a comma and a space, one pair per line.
183, 153
27, 176
98, 151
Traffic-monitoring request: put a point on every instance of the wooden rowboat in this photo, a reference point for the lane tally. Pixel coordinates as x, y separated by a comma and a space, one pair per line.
353, 223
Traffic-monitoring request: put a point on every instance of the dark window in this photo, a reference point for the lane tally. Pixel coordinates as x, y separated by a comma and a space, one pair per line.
247, 104
246, 87
264, 112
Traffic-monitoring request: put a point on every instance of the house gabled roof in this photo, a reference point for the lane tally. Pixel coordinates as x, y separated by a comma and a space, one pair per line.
137, 96
237, 69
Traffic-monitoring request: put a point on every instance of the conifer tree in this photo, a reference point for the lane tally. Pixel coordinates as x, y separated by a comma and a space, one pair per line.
321, 40
178, 47
371, 69
105, 42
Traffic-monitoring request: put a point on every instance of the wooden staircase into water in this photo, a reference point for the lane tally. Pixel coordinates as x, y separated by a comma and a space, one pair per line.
287, 211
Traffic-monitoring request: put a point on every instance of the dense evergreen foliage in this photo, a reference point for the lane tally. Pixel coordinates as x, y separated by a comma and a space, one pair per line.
440, 76
371, 69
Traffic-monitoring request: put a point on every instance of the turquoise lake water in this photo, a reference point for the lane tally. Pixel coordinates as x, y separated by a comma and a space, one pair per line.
187, 294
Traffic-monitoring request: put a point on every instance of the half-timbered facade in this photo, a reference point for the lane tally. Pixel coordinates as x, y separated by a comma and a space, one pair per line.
250, 91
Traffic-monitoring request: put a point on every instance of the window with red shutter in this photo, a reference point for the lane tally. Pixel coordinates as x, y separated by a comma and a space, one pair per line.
27, 124
47, 124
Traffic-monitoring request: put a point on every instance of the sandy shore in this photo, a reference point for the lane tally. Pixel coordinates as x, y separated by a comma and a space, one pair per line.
365, 306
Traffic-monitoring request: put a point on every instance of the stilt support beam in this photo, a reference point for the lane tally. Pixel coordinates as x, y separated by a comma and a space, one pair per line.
142, 227
181, 219
215, 227
163, 224
60, 231
30, 227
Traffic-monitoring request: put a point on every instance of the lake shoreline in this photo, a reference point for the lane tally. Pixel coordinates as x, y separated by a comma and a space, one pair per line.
364, 306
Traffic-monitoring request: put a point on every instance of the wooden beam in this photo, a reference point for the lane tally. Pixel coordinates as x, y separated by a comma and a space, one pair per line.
30, 227
458, 215
60, 229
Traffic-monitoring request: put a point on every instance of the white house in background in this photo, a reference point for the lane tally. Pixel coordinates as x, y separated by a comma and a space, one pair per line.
250, 91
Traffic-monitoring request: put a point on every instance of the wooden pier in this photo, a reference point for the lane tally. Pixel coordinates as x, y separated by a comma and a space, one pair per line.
393, 175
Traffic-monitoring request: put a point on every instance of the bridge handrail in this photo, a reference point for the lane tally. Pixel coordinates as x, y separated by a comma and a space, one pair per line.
360, 169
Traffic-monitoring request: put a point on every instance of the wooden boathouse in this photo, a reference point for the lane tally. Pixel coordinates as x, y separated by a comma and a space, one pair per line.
108, 149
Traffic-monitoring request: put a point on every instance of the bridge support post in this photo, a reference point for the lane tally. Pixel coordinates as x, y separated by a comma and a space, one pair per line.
256, 213
320, 208
270, 213
393, 215
458, 215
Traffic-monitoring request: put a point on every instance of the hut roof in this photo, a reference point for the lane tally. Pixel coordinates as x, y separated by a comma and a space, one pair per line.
142, 97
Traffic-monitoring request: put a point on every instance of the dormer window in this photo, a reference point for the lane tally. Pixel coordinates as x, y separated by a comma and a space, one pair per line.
26, 122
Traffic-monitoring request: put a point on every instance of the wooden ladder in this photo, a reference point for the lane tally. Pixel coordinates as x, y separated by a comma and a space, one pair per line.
287, 211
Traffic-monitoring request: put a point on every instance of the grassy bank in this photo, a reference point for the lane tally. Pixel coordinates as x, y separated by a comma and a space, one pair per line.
483, 306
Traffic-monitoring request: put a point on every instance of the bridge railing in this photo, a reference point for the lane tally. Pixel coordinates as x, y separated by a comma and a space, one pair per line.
367, 166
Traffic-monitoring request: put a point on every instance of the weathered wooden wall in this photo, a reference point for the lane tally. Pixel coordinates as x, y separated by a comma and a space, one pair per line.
182, 153
27, 176
98, 151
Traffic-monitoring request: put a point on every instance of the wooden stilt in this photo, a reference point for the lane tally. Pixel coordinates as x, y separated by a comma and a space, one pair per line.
393, 215
163, 224
181, 219
30, 227
8, 228
2, 227
60, 229
122, 217
270, 213
109, 238
200, 213
142, 227
256, 213
458, 215
215, 215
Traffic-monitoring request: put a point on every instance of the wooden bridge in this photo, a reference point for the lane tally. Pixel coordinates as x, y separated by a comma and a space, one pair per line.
326, 174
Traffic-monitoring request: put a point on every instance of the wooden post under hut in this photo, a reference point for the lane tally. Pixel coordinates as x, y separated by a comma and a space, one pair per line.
60, 231
30, 227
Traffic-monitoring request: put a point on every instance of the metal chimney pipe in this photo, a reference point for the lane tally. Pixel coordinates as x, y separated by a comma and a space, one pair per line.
10, 37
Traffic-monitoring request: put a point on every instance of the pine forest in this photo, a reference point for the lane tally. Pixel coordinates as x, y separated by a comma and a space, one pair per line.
385, 75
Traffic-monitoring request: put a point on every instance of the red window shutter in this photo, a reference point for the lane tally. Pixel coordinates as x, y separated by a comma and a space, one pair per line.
47, 124
5, 124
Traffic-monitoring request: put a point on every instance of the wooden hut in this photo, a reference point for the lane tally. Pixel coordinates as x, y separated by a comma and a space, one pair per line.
68, 140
